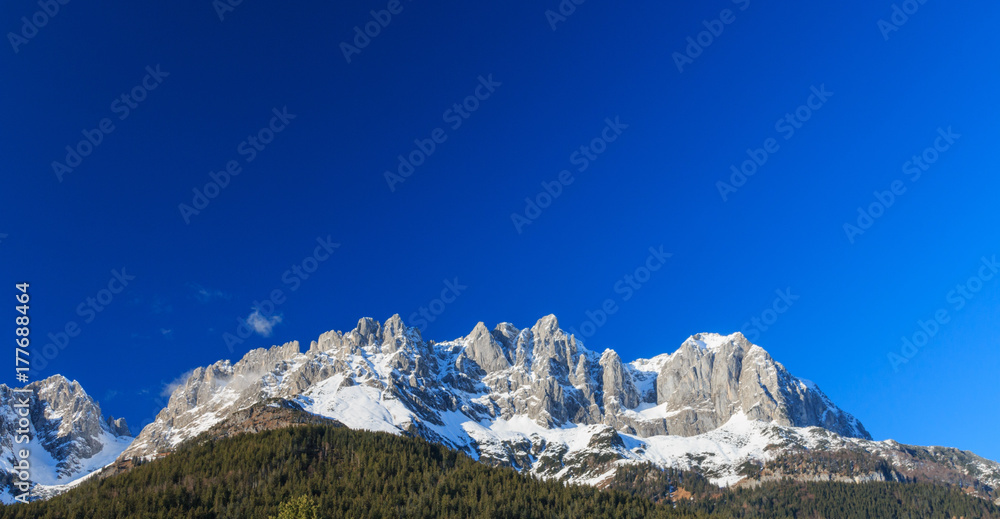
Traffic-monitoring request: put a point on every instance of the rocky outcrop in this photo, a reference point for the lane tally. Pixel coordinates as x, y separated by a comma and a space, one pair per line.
484, 351
534, 399
541, 373
118, 426
266, 416
68, 431
619, 388
713, 377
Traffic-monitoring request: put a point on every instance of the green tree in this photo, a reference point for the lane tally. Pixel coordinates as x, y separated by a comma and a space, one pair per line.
302, 507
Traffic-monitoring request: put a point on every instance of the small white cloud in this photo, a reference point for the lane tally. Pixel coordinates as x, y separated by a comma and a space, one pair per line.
166, 332
261, 323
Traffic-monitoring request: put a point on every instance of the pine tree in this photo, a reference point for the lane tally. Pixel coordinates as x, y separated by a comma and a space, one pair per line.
302, 507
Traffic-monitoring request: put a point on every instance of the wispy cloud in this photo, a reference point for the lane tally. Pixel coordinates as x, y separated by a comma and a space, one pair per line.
261, 323
205, 294
169, 388
166, 332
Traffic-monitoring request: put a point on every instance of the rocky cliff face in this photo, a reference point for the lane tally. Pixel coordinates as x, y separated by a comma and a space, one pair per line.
711, 378
534, 399
384, 376
69, 435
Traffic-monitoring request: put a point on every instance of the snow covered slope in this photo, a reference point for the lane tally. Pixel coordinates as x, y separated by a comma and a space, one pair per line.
536, 399
70, 438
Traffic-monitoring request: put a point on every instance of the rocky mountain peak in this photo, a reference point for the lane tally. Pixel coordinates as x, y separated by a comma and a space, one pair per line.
69, 435
619, 386
548, 325
383, 376
118, 426
714, 343
393, 327
368, 331
553, 349
263, 358
506, 334
58, 390
713, 377
531, 398
483, 349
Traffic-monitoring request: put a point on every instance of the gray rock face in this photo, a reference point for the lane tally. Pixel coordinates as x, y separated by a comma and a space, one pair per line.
249, 381
619, 388
484, 351
712, 377
64, 421
118, 426
534, 399
540, 372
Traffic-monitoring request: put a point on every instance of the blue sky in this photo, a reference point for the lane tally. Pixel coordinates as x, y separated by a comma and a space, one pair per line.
596, 109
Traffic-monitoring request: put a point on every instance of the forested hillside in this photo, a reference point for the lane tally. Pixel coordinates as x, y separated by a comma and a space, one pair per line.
351, 474
794, 499
790, 499
356, 474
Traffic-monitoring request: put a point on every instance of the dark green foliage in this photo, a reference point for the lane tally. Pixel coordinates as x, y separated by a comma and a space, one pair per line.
302, 507
749, 469
357, 474
660, 485
789, 499
347, 473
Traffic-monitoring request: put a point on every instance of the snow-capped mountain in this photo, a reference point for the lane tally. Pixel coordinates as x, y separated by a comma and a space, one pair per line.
536, 399
70, 438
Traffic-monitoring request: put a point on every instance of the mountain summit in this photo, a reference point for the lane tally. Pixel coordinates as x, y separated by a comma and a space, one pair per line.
70, 438
534, 399
509, 396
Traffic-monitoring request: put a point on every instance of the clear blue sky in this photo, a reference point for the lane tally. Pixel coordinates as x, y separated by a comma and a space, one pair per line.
655, 183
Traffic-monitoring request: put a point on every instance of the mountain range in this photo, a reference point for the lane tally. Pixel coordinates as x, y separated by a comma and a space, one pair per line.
534, 399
